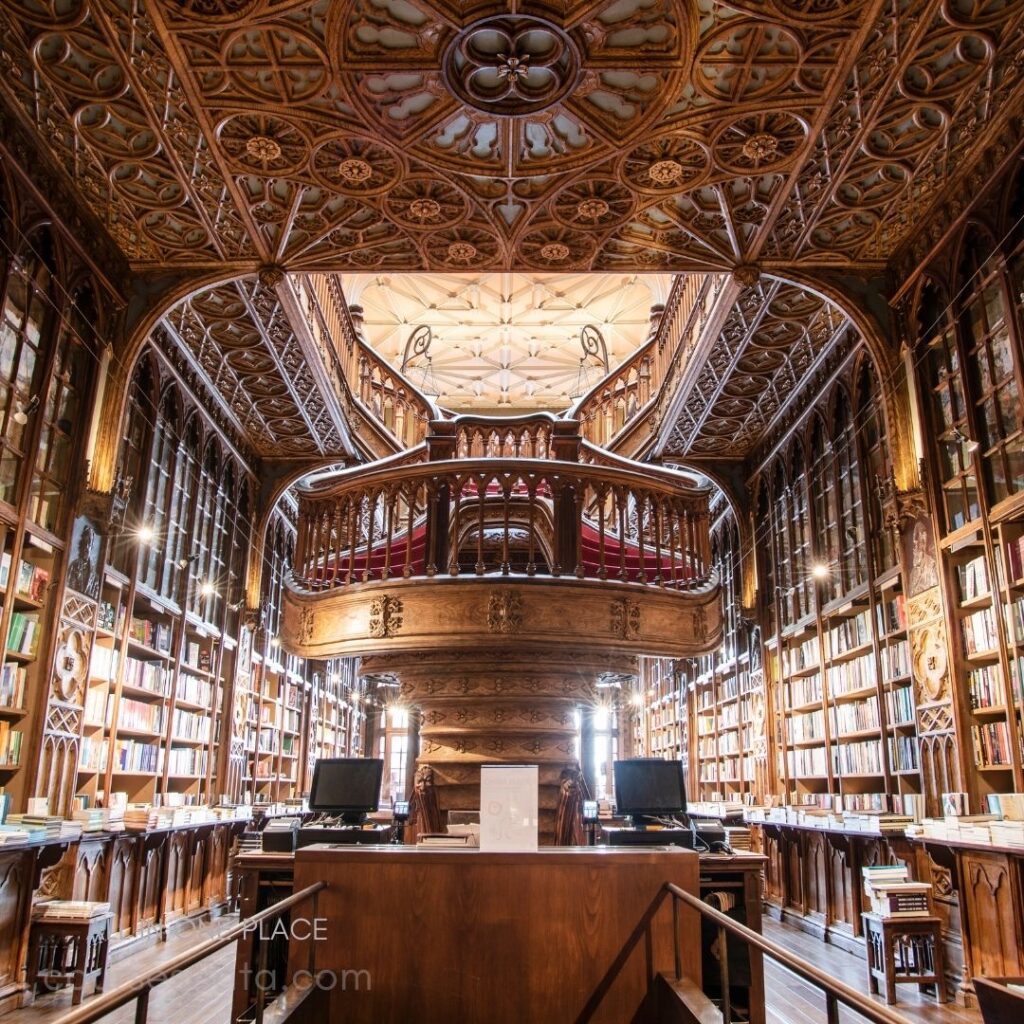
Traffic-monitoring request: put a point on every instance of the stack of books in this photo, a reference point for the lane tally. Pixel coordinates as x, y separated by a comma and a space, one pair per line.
250, 842
71, 830
738, 839
43, 826
877, 822
11, 835
892, 896
90, 818
145, 818
77, 910
1008, 833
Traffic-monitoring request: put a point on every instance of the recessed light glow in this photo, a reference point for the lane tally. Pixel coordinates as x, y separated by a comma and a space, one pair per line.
820, 571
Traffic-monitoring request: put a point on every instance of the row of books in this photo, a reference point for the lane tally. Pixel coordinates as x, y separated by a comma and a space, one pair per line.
194, 690
973, 579
979, 631
1015, 558
12, 685
197, 656
147, 675
24, 632
855, 716
137, 714
187, 761
892, 615
156, 635
32, 579
991, 744
188, 725
861, 758
850, 633
805, 656
896, 661
10, 744
900, 705
853, 675
985, 686
806, 690
807, 726
903, 753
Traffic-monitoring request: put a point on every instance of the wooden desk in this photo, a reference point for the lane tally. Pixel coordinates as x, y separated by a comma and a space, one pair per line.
462, 935
736, 875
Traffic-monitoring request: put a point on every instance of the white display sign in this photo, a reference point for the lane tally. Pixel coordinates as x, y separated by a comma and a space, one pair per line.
508, 808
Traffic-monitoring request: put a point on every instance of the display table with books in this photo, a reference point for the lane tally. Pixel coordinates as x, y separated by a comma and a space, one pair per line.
813, 879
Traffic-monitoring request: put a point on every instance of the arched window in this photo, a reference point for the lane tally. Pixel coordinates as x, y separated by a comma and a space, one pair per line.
29, 315
877, 465
991, 370
70, 378
947, 409
781, 512
725, 553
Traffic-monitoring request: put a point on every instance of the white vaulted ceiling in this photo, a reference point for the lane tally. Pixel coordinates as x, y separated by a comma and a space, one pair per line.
505, 341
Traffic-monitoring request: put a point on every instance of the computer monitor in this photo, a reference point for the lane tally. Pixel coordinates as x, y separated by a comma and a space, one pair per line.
346, 786
649, 787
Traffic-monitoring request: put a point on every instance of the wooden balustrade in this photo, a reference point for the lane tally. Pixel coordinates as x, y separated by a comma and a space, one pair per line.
621, 398
522, 517
534, 436
385, 394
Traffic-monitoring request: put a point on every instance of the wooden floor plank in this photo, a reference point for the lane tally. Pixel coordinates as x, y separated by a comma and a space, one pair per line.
791, 1000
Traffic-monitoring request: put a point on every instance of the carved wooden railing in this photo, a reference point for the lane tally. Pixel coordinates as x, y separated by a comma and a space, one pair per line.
632, 391
388, 399
512, 517
533, 436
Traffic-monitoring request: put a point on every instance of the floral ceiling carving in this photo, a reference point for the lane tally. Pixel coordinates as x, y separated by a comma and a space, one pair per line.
458, 136
401, 134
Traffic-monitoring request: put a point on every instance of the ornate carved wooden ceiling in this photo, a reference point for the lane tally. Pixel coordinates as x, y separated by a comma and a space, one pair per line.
401, 134
506, 341
453, 135
238, 337
775, 337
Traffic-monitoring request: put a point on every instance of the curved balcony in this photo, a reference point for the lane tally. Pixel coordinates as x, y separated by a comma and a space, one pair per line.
565, 530
498, 591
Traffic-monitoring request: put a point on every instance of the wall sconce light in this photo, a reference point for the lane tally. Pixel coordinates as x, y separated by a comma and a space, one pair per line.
144, 534
820, 571
22, 412
959, 437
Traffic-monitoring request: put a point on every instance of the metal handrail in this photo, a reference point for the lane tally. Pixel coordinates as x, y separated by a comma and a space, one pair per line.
140, 987
835, 991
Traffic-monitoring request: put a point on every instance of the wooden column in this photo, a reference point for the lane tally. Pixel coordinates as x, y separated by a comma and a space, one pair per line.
498, 706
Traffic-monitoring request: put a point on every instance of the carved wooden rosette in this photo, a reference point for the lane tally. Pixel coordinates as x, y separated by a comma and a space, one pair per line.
500, 705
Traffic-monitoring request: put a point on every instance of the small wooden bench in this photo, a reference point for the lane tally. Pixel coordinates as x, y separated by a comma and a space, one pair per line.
68, 949
905, 950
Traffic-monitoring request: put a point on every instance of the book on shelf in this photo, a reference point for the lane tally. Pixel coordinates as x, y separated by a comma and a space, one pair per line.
991, 744
1015, 558
972, 577
979, 632
76, 910
12, 685
23, 634
902, 899
1008, 806
5, 569
10, 744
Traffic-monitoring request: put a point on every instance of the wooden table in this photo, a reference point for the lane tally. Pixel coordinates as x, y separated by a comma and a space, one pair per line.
920, 960
447, 935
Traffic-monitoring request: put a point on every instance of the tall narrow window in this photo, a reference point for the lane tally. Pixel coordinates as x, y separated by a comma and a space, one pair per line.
800, 534
823, 497
180, 510
65, 395
159, 491
850, 538
134, 458
992, 374
28, 316
948, 410
766, 566
783, 553
877, 465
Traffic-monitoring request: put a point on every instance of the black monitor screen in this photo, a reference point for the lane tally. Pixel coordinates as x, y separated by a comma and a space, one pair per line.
649, 785
346, 784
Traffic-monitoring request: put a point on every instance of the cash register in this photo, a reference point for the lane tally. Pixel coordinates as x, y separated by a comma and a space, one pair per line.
344, 791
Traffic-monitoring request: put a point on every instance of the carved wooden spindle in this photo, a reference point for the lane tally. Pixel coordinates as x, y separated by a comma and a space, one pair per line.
455, 504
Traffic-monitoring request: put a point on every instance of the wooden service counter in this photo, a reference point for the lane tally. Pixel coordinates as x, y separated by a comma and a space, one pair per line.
447, 935
813, 878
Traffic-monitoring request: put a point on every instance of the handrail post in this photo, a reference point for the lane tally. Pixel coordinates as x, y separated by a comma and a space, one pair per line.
261, 971
723, 955
142, 1006
675, 940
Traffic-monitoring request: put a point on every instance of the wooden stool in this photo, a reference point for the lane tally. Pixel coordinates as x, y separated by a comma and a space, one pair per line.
62, 950
903, 950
